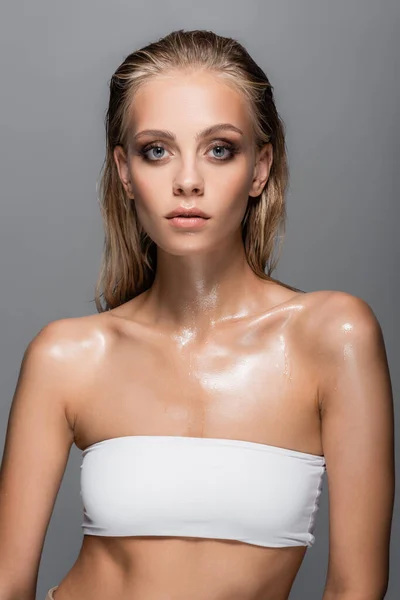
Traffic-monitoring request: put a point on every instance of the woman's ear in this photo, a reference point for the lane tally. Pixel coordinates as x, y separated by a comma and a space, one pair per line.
262, 169
123, 170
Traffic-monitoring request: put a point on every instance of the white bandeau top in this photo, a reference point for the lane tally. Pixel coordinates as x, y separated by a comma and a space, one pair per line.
144, 485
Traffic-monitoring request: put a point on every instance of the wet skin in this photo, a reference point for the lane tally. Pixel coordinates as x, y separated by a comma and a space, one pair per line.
250, 378
209, 350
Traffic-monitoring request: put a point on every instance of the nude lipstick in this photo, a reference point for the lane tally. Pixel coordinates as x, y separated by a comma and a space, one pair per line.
184, 218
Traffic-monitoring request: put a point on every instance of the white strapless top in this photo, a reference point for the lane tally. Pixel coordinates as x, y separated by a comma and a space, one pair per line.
149, 485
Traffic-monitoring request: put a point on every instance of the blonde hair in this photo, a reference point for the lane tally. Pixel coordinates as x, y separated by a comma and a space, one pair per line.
129, 255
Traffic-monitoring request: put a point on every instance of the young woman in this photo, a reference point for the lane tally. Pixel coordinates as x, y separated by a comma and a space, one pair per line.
208, 398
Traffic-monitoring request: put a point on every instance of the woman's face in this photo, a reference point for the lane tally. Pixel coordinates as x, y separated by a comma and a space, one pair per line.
182, 166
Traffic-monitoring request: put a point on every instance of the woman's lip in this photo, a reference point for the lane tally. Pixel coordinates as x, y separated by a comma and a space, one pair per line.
188, 222
183, 216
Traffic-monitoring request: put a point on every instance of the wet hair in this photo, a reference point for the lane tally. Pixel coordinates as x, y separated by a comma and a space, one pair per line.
129, 255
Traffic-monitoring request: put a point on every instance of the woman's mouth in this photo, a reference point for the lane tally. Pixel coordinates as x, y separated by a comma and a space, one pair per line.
190, 222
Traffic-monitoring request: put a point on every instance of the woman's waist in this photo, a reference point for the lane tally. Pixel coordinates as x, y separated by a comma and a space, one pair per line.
203, 569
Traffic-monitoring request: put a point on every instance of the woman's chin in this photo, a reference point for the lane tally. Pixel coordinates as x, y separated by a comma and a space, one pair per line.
189, 246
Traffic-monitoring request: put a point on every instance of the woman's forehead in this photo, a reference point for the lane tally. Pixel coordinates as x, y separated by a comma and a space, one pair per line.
180, 101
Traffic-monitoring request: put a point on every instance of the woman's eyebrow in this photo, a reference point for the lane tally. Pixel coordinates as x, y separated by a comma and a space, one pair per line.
206, 132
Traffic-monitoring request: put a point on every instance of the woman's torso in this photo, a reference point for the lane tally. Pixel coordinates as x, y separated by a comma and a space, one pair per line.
254, 379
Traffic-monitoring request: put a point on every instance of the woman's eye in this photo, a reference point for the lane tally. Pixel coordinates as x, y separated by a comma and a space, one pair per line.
223, 151
153, 153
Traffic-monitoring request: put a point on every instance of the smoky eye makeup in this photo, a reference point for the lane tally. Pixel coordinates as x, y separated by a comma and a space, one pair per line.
156, 151
227, 146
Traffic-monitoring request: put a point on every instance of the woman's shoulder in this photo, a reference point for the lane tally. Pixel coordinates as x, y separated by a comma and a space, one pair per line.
69, 353
71, 346
333, 318
69, 334
316, 303
336, 307
322, 300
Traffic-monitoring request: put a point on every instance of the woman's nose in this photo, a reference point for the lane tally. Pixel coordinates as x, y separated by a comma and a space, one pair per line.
188, 182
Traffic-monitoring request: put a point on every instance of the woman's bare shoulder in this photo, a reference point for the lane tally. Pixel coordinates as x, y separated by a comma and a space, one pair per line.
332, 313
335, 323
328, 318
72, 350
316, 305
73, 337
76, 342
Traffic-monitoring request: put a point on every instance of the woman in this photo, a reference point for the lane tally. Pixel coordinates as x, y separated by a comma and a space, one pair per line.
208, 398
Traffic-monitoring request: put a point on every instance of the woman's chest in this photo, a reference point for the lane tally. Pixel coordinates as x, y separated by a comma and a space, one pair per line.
253, 381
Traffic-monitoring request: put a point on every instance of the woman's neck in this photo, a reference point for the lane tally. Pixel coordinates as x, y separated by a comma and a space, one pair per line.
198, 292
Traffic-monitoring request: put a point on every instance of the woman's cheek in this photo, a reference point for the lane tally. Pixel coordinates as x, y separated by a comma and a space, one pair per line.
234, 192
148, 185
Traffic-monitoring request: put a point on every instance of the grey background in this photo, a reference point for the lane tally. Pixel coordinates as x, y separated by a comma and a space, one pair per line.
335, 70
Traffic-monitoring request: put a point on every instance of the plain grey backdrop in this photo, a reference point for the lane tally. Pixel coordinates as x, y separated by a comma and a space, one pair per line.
335, 71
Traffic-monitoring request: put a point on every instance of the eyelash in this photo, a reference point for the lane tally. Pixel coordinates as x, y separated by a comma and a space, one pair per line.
233, 149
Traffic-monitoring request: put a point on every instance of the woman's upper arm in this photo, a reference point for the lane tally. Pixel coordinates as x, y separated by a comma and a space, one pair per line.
358, 442
37, 445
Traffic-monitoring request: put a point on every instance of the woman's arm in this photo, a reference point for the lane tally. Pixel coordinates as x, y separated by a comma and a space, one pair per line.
358, 441
38, 441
